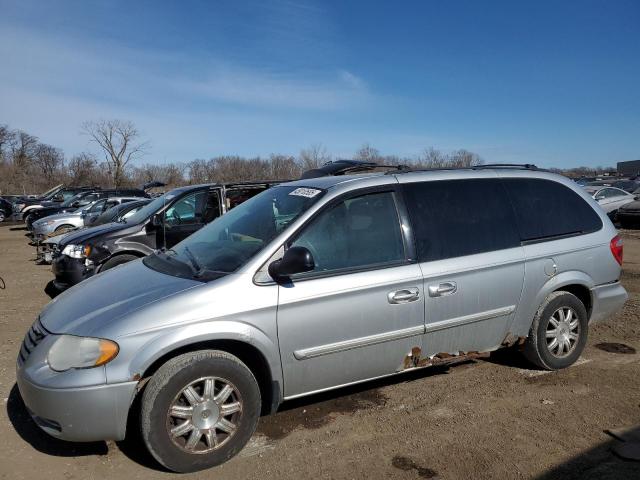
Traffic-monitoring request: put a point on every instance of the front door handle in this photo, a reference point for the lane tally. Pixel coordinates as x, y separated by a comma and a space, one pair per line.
443, 289
405, 295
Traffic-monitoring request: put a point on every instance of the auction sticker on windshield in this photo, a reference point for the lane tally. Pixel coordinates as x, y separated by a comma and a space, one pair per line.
305, 192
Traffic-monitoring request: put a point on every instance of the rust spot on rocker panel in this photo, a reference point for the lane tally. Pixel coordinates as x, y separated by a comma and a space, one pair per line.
510, 340
414, 358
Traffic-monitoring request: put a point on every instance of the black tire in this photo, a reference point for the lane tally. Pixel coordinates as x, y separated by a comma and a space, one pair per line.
117, 260
164, 389
2, 216
536, 348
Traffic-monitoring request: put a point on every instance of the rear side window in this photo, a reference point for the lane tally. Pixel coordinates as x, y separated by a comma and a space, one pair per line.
454, 218
546, 209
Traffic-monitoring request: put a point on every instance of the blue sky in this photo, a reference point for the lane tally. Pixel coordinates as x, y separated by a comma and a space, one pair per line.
549, 82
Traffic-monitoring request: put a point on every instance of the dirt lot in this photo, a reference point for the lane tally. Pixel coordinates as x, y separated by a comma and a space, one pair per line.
482, 419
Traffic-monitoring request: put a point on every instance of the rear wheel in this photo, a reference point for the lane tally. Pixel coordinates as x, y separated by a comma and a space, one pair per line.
2, 216
199, 410
117, 260
558, 333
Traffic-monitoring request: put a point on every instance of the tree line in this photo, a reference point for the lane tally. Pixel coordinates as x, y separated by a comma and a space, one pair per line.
28, 166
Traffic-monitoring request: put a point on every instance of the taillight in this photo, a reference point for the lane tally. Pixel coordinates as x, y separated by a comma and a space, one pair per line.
617, 246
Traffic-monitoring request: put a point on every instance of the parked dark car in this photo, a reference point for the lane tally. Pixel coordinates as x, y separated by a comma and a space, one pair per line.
629, 186
629, 215
80, 200
55, 196
161, 223
6, 209
119, 213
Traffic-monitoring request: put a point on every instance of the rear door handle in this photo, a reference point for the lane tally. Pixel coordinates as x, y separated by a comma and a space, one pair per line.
443, 289
405, 295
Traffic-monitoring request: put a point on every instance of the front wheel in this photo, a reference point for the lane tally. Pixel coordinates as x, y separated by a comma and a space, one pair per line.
558, 333
199, 409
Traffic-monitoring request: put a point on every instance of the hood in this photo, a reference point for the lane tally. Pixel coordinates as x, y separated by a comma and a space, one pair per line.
47, 211
80, 236
631, 206
100, 300
57, 216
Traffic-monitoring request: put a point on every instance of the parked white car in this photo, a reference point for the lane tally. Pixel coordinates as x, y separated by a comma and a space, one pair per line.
610, 198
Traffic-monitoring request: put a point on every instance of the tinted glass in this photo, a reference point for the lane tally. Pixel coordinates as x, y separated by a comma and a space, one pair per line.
547, 209
454, 218
97, 207
187, 210
358, 232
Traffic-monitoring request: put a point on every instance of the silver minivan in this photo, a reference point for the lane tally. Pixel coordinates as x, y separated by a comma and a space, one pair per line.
314, 285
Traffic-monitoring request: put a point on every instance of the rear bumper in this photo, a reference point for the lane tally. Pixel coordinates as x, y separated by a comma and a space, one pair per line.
607, 300
79, 414
70, 271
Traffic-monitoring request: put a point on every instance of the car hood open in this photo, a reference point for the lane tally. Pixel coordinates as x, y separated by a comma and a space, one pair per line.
91, 305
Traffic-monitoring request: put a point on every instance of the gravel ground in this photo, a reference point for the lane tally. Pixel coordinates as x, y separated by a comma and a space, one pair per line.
491, 418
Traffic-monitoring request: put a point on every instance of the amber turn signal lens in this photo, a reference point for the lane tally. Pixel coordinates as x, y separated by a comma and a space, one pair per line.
108, 350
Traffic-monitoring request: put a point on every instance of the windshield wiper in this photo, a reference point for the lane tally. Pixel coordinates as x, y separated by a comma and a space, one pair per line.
197, 269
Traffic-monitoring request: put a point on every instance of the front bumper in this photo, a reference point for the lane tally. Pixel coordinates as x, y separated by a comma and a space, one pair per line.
70, 271
608, 299
85, 414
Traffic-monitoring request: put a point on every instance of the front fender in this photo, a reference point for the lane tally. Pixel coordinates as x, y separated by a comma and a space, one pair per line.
155, 345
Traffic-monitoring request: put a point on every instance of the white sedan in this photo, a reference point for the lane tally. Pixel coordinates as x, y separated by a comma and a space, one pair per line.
610, 198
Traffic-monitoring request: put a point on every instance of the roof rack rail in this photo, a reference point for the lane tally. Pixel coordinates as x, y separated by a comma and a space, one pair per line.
524, 166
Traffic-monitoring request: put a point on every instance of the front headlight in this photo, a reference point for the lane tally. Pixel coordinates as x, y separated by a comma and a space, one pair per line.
70, 351
77, 251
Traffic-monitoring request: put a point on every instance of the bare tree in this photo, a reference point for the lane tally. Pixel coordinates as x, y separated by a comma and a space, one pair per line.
119, 141
48, 160
7, 137
313, 157
83, 170
464, 159
23, 148
367, 153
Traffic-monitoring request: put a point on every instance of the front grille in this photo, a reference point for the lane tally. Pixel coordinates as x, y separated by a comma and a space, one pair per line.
31, 340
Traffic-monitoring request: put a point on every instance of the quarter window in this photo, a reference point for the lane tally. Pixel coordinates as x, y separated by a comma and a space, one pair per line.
356, 233
546, 209
454, 218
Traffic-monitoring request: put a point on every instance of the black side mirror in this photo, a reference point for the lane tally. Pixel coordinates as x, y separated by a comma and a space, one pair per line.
156, 220
295, 260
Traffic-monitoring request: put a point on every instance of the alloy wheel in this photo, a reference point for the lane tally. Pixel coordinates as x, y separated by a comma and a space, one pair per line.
563, 332
204, 415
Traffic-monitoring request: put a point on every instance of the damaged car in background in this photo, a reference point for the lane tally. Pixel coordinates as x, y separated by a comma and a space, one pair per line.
309, 286
48, 244
162, 223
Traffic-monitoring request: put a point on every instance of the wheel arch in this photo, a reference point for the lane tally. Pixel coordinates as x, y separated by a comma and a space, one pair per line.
119, 253
576, 282
250, 355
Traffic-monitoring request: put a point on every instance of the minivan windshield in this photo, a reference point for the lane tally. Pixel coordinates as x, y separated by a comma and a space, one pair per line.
231, 240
